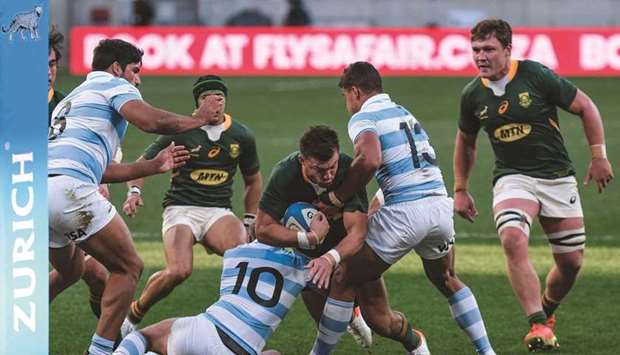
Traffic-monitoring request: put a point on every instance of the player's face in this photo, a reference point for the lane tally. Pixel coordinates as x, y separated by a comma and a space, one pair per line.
491, 58
132, 73
204, 95
52, 68
352, 98
319, 172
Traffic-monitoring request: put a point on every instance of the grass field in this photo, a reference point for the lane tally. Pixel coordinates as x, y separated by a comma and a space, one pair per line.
278, 110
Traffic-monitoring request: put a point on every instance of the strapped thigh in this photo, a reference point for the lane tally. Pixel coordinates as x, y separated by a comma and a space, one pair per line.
567, 241
513, 217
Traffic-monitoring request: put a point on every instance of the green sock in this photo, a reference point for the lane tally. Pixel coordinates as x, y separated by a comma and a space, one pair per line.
538, 317
412, 340
549, 306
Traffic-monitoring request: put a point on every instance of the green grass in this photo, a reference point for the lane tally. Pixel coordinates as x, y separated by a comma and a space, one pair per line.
278, 110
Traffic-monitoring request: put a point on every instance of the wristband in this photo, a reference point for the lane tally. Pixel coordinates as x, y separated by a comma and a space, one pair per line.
460, 184
302, 240
134, 190
334, 253
248, 218
333, 198
598, 151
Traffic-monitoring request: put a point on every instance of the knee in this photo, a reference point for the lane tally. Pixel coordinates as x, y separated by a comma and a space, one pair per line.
570, 265
134, 267
515, 243
178, 273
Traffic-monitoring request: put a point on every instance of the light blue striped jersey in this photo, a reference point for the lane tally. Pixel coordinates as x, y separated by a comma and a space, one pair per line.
259, 285
87, 127
409, 171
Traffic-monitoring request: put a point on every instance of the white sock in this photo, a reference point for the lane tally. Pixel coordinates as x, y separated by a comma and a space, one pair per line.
132, 344
465, 312
100, 346
334, 321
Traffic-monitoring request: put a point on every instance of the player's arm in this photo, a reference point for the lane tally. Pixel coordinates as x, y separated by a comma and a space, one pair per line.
270, 231
600, 169
464, 160
154, 120
169, 158
366, 162
253, 187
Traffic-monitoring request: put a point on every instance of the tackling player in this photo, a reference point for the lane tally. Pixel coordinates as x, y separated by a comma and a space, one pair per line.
87, 127
516, 101
417, 215
197, 206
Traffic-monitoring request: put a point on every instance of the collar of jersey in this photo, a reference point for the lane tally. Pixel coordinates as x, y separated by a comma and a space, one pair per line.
374, 99
50, 95
97, 74
514, 65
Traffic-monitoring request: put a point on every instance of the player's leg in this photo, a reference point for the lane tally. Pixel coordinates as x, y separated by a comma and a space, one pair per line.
438, 257
178, 243
95, 276
68, 264
113, 247
152, 338
223, 231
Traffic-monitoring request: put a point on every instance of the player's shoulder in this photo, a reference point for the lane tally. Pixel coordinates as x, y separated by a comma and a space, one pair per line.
472, 87
287, 168
345, 160
240, 130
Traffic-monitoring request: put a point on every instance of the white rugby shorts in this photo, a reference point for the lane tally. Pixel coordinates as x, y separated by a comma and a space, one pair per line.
76, 210
199, 219
558, 198
195, 336
424, 225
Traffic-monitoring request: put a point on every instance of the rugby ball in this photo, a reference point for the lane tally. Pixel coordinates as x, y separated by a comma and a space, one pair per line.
298, 216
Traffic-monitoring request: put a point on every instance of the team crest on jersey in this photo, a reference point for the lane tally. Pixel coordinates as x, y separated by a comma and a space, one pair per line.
209, 177
213, 152
503, 107
483, 114
525, 100
512, 132
234, 150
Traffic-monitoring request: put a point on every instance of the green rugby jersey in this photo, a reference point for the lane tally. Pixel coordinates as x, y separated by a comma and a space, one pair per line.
522, 124
207, 177
53, 98
288, 185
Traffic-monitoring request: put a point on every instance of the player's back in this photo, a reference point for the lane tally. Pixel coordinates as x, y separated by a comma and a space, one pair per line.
258, 287
87, 127
409, 169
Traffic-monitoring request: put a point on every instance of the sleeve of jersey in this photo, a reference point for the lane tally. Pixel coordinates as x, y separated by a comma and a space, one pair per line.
273, 201
121, 94
160, 143
360, 123
359, 202
468, 122
248, 161
558, 90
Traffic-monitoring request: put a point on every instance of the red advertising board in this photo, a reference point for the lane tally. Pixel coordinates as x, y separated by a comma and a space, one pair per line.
326, 51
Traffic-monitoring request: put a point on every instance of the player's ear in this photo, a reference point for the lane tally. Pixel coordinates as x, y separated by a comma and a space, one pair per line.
116, 69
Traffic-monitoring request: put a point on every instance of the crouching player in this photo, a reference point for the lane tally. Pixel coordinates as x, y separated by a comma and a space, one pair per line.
258, 287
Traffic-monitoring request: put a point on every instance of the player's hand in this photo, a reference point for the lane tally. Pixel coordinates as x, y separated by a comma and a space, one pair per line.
319, 226
599, 171
104, 191
464, 205
133, 201
212, 108
173, 157
321, 270
249, 222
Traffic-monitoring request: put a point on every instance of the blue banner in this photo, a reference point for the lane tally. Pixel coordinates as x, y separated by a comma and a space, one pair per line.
23, 178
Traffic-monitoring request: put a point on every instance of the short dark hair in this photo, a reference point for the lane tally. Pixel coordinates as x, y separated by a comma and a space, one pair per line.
492, 27
55, 42
319, 142
363, 75
109, 51
208, 82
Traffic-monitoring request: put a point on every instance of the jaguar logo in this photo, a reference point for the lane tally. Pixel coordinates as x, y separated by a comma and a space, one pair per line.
512, 132
209, 177
25, 21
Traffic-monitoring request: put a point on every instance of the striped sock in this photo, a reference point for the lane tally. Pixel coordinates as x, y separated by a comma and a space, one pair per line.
100, 346
133, 344
334, 321
465, 312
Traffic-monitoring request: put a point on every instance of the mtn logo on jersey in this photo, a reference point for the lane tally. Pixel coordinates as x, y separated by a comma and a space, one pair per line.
209, 177
512, 132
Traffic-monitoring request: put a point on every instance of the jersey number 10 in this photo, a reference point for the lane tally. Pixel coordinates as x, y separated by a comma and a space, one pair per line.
253, 282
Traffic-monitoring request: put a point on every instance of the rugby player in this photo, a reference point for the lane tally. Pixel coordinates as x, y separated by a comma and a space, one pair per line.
87, 127
516, 102
391, 144
197, 206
